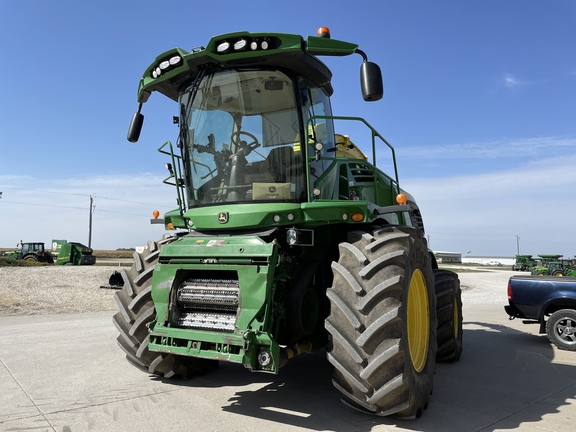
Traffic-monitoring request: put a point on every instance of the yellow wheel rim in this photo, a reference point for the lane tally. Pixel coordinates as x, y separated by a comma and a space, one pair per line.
418, 320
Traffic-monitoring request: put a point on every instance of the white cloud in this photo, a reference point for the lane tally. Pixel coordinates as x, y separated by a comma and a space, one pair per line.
485, 212
529, 147
512, 82
35, 209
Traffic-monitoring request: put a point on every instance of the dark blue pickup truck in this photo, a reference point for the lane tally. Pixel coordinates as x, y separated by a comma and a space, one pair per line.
549, 301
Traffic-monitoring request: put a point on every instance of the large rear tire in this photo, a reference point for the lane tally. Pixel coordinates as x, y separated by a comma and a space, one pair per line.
136, 311
449, 315
383, 322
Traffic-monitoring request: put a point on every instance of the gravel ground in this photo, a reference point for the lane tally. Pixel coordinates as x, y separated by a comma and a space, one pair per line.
51, 290
485, 286
47, 290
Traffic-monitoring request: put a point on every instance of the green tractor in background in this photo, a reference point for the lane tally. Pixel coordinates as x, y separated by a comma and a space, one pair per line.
523, 263
562, 267
549, 265
286, 239
568, 266
31, 252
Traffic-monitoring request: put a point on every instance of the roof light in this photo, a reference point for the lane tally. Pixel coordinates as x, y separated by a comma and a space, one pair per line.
164, 64
253, 45
175, 60
401, 199
240, 45
264, 45
155, 213
323, 32
223, 47
154, 74
158, 71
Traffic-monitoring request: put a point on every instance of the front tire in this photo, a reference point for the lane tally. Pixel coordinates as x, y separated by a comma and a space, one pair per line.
383, 322
136, 311
561, 329
449, 315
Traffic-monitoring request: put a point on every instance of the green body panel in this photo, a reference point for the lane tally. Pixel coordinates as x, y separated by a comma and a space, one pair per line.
323, 46
304, 215
244, 215
252, 262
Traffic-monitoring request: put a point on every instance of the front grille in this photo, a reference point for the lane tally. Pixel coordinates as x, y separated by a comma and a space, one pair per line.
207, 321
208, 304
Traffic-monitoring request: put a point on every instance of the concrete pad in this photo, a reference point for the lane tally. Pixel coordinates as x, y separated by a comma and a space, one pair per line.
66, 373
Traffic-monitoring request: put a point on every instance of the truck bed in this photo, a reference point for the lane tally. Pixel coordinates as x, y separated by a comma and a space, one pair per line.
530, 297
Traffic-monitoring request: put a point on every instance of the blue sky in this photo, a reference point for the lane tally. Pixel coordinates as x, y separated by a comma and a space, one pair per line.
480, 105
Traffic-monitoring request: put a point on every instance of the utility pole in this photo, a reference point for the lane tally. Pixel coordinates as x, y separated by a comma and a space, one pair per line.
517, 244
92, 207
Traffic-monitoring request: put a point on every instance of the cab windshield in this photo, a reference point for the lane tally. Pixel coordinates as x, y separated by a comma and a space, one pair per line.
240, 135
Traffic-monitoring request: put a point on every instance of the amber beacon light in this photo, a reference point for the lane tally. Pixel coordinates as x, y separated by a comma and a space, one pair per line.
323, 32
401, 199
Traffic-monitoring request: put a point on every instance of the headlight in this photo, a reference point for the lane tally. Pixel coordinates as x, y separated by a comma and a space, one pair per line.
291, 237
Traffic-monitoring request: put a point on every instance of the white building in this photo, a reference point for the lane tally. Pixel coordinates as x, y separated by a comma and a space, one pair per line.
484, 260
448, 257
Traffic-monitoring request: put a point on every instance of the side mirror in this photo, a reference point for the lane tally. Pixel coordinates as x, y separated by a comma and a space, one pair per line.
135, 127
371, 81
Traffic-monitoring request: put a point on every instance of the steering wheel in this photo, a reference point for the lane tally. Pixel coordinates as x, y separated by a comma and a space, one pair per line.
235, 140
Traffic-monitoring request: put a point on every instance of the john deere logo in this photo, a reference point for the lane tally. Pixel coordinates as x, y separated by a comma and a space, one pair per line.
223, 217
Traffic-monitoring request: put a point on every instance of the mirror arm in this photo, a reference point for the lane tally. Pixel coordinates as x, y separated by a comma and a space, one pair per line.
363, 54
